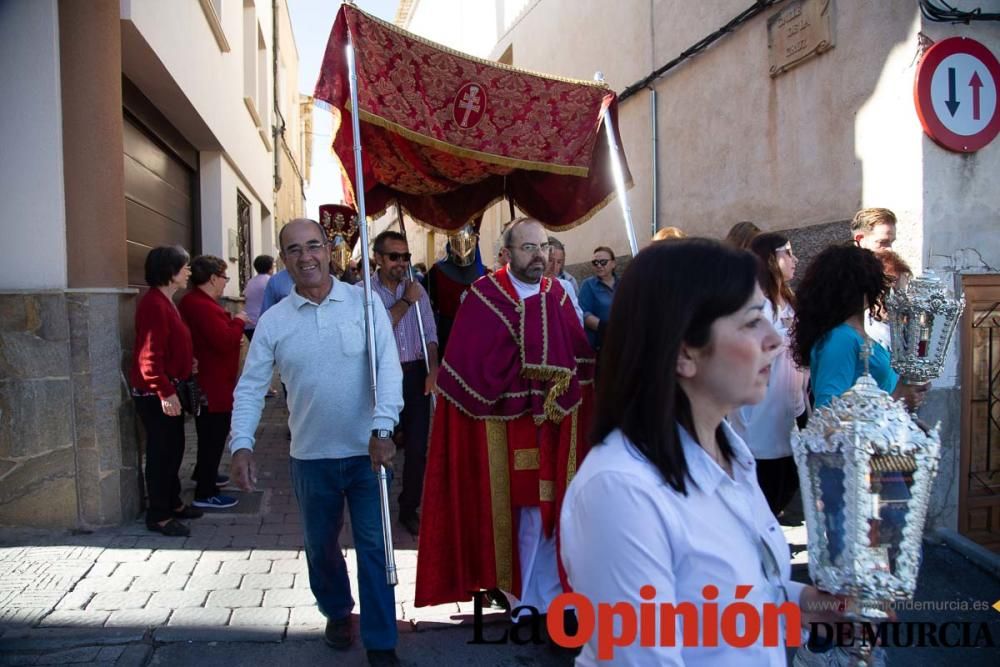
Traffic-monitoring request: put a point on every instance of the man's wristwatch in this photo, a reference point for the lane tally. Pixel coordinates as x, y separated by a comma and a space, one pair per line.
381, 433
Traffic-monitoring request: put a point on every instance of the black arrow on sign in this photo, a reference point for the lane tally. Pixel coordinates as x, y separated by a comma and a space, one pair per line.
952, 103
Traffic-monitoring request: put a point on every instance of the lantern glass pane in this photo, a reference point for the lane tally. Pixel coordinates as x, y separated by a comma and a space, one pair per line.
891, 479
829, 473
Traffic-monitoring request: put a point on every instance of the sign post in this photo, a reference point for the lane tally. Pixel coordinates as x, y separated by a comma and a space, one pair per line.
956, 94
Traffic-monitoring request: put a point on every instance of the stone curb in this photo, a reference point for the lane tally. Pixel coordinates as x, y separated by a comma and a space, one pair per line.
220, 633
50, 639
978, 554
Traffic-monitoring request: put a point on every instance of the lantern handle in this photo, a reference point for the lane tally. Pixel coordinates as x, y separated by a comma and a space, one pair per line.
866, 352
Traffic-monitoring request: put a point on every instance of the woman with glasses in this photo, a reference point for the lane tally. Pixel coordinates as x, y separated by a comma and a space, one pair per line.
666, 508
767, 426
217, 337
596, 294
163, 356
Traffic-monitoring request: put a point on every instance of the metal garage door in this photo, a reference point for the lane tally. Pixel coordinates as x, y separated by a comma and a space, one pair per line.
159, 198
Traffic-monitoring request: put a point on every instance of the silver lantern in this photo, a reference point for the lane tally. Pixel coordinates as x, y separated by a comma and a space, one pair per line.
866, 469
922, 319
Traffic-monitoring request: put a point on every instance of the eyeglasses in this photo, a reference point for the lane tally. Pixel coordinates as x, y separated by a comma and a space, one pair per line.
313, 247
600, 262
223, 276
396, 256
532, 248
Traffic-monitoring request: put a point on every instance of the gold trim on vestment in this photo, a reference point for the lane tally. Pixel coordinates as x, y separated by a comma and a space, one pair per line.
503, 545
469, 390
526, 459
546, 491
571, 464
496, 311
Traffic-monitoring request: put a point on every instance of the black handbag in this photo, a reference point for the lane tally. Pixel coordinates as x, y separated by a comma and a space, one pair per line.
189, 395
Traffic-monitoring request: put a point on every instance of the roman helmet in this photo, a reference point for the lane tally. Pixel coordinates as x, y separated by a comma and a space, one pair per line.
462, 245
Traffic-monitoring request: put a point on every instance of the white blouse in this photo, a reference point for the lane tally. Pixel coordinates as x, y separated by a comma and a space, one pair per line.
767, 426
622, 528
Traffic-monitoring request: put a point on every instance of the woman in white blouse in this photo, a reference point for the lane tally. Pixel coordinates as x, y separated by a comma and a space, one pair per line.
766, 427
668, 503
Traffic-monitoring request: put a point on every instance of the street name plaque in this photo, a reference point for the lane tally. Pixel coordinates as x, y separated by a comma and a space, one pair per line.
801, 30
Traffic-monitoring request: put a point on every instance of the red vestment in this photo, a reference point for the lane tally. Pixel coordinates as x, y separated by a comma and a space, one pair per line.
510, 431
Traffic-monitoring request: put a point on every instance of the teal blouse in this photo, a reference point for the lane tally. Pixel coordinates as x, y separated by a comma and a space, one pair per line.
835, 364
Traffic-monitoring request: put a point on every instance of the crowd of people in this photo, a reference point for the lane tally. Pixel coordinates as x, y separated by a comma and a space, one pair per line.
612, 436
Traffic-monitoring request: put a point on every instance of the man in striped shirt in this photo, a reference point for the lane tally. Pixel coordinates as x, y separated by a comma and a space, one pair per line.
402, 297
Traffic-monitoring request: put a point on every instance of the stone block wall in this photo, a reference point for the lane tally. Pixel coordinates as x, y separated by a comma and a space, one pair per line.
68, 445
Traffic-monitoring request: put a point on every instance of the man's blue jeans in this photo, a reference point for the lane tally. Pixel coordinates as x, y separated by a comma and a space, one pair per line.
321, 486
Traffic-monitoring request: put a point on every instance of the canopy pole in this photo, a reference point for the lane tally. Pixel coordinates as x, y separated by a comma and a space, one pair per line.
359, 198
619, 175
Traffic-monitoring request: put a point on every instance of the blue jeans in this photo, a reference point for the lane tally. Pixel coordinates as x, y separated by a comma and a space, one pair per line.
321, 486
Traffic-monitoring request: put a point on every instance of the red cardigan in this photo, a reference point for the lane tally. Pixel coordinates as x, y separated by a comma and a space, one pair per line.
216, 335
163, 350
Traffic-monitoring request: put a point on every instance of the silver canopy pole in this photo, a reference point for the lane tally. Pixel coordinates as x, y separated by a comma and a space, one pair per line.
359, 196
619, 175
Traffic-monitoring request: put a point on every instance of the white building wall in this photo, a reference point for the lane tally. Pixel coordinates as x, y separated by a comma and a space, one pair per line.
468, 26
218, 187
212, 81
33, 216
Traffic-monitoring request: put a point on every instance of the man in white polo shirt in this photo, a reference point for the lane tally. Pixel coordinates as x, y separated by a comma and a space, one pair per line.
316, 338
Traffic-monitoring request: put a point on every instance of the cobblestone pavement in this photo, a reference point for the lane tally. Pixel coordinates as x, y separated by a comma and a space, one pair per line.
240, 576
236, 591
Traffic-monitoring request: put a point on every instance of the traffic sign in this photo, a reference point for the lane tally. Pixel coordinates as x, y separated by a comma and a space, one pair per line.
956, 94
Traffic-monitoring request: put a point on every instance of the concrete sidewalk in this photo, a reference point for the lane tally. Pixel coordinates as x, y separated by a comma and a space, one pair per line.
236, 591
240, 576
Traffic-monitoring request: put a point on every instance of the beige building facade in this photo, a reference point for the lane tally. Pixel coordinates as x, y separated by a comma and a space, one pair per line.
716, 139
129, 124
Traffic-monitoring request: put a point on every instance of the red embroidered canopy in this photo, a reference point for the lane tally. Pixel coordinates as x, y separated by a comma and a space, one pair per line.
448, 135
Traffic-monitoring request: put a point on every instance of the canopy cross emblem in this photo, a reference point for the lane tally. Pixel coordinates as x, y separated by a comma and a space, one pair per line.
470, 105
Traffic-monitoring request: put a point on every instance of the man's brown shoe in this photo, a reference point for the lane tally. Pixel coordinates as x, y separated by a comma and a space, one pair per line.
338, 633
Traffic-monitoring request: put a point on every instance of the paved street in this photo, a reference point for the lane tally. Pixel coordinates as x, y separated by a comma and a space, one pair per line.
236, 591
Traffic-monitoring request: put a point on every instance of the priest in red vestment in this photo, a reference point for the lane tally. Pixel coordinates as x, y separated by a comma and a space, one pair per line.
508, 436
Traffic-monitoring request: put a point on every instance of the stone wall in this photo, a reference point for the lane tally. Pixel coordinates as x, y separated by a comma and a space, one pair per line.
68, 446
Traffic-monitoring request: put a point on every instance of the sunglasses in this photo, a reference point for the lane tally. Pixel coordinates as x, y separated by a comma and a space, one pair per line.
600, 262
396, 256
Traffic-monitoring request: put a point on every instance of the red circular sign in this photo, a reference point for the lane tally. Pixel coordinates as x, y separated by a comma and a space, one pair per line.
955, 93
469, 106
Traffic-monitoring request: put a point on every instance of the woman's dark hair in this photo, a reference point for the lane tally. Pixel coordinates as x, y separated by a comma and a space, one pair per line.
263, 263
604, 248
163, 263
203, 267
671, 293
769, 276
842, 281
